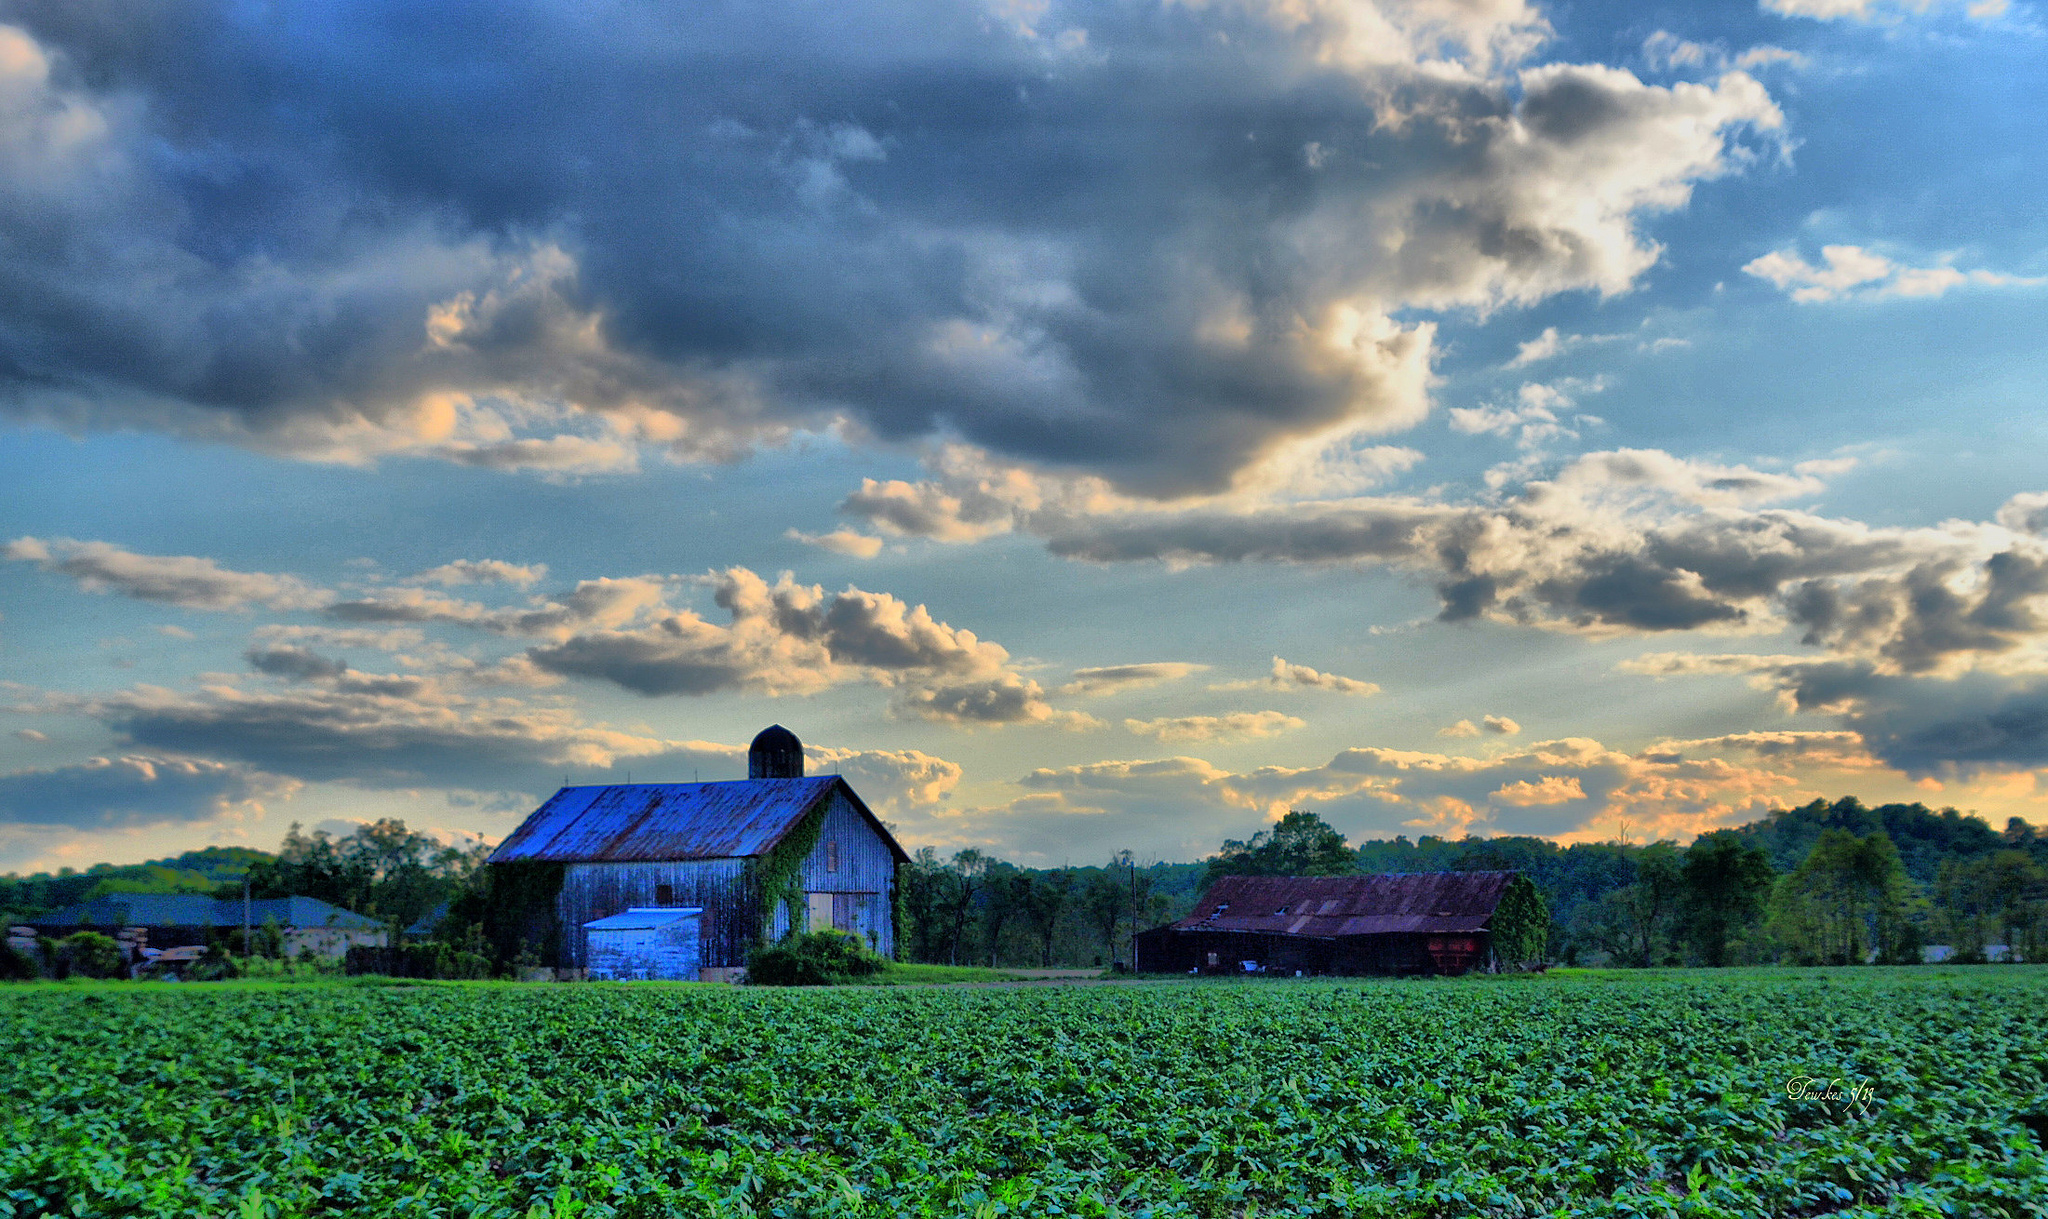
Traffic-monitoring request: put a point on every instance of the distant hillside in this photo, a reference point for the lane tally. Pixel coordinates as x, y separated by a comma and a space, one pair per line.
201, 871
1924, 837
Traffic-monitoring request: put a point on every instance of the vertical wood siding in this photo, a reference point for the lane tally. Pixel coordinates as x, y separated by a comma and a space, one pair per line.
864, 880
597, 890
862, 886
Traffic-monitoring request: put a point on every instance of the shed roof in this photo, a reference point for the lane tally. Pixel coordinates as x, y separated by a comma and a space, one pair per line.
646, 822
643, 918
195, 910
1328, 907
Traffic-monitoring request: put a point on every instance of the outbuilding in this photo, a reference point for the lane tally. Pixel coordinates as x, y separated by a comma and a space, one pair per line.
1396, 923
758, 857
649, 942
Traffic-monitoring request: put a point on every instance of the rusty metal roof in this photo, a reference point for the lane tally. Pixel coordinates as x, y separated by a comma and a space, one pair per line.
1327, 907
647, 822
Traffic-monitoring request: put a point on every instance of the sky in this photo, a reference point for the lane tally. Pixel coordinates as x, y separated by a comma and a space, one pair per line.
1089, 426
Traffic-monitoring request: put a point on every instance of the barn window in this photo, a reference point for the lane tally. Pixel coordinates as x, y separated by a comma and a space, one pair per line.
832, 857
664, 895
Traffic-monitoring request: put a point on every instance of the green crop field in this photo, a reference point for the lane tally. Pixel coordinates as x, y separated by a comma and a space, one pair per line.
1674, 1094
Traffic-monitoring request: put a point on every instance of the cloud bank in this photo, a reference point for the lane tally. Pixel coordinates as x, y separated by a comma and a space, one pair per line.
410, 234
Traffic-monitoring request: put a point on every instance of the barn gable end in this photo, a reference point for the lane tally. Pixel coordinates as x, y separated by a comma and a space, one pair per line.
718, 847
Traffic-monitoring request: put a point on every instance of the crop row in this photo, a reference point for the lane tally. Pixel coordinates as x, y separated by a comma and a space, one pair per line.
1712, 1094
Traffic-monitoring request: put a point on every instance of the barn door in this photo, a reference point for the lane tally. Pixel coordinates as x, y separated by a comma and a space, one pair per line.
820, 914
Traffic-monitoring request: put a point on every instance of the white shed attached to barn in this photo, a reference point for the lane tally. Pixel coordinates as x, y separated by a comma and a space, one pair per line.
646, 942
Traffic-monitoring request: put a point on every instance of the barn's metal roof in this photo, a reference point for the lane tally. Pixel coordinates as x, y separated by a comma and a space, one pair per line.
643, 918
649, 822
1328, 907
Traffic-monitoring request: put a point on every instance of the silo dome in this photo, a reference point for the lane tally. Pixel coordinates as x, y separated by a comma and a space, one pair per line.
775, 754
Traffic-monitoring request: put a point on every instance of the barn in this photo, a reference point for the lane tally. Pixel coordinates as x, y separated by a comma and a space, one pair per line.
757, 857
1398, 923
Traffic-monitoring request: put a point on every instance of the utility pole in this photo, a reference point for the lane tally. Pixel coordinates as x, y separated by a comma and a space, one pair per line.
1132, 860
248, 949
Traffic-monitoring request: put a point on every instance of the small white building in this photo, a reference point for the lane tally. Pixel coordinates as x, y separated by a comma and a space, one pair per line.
646, 942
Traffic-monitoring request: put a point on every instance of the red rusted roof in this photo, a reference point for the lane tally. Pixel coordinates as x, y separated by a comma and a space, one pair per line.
1326, 907
672, 821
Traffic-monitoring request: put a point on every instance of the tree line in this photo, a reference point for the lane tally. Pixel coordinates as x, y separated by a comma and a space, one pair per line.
1825, 883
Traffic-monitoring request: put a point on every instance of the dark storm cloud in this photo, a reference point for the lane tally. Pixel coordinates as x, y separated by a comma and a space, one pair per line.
1148, 241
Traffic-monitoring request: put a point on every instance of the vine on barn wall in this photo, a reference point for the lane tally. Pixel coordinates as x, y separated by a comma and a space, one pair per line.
778, 876
1520, 924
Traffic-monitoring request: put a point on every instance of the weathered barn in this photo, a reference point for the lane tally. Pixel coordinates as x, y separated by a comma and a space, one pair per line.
759, 856
1403, 923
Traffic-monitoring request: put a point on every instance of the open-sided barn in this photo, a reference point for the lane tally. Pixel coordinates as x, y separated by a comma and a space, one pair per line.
758, 856
1401, 923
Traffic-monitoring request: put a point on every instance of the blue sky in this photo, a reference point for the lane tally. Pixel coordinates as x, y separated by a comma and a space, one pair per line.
1089, 426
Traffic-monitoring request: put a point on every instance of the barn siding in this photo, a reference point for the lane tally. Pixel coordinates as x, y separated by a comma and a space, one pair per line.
592, 891
866, 877
672, 952
862, 885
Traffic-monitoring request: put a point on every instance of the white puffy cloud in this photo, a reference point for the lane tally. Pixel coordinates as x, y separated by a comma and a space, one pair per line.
1847, 271
840, 541
1105, 680
1237, 725
483, 571
1574, 788
181, 580
1877, 10
1286, 675
1493, 725
1539, 414
889, 780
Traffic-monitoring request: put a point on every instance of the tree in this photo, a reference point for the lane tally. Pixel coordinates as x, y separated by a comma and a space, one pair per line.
1107, 902
88, 954
1845, 899
1006, 897
1047, 897
1639, 914
1302, 844
926, 884
1724, 882
382, 870
969, 868
1999, 898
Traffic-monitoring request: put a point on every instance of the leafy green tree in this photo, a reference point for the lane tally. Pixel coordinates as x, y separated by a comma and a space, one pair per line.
1046, 898
1999, 898
1846, 899
970, 872
88, 954
1302, 844
1520, 924
383, 870
1724, 884
1119, 894
1006, 898
1637, 926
